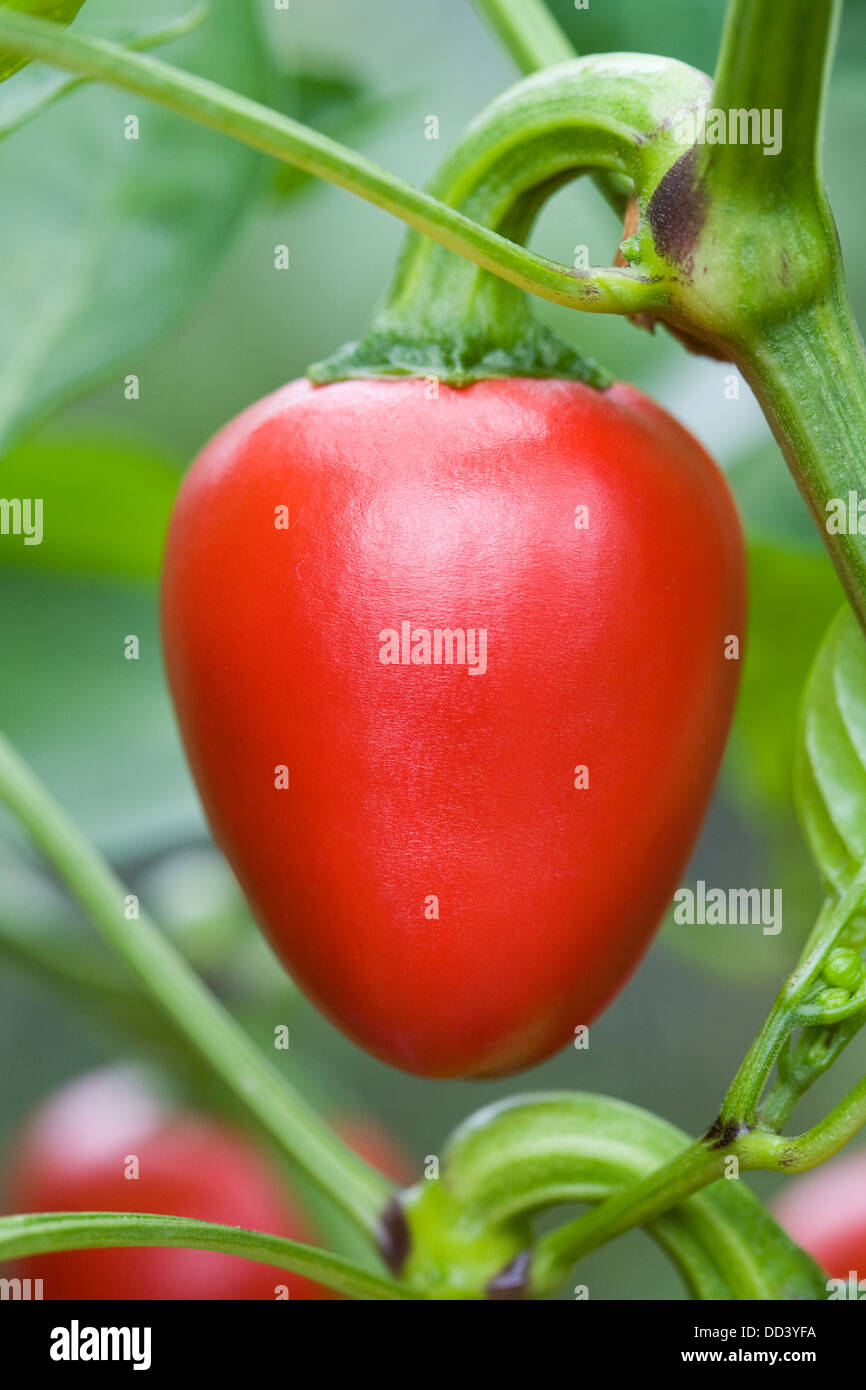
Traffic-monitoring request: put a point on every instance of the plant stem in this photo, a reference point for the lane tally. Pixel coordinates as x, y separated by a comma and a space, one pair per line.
795, 1155
22, 1236
809, 374
534, 39
741, 1102
447, 317
636, 1205
775, 57
645, 1201
529, 32
194, 1012
605, 290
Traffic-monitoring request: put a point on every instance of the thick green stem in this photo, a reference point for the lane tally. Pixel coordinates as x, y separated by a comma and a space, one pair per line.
809, 373
194, 1012
23, 1236
775, 57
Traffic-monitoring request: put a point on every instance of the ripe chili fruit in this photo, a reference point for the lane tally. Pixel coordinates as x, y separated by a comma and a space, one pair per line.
453, 672
73, 1155
825, 1212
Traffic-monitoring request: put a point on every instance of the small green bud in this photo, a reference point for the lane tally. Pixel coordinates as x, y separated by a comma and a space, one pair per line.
843, 969
832, 998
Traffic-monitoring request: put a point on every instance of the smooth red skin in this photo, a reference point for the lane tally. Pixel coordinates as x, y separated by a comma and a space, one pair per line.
71, 1158
605, 649
825, 1212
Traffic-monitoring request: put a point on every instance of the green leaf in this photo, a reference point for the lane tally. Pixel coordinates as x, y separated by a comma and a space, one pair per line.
793, 594
831, 760
40, 85
105, 504
108, 240
97, 726
60, 11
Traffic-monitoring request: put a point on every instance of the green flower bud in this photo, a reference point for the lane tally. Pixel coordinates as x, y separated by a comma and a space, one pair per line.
843, 969
832, 998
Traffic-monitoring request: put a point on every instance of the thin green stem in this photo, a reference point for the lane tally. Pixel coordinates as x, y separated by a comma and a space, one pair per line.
740, 1105
790, 1009
445, 316
762, 1149
194, 1012
646, 1201
529, 32
23, 1236
605, 290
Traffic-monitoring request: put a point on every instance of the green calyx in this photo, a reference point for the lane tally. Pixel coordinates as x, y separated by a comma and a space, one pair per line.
454, 320
460, 358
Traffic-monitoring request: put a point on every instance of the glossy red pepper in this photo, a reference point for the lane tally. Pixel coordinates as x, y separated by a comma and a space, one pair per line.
454, 670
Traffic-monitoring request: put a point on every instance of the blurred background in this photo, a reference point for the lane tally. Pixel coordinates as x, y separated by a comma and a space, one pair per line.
155, 259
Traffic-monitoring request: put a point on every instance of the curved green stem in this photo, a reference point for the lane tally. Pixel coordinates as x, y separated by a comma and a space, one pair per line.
194, 1012
795, 1155
600, 291
23, 1236
444, 315
529, 1154
639, 1204
790, 1010
534, 39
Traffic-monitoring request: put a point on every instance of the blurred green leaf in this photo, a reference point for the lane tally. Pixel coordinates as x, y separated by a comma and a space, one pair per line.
770, 504
831, 762
793, 593
685, 29
96, 727
106, 500
60, 11
39, 86
106, 240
